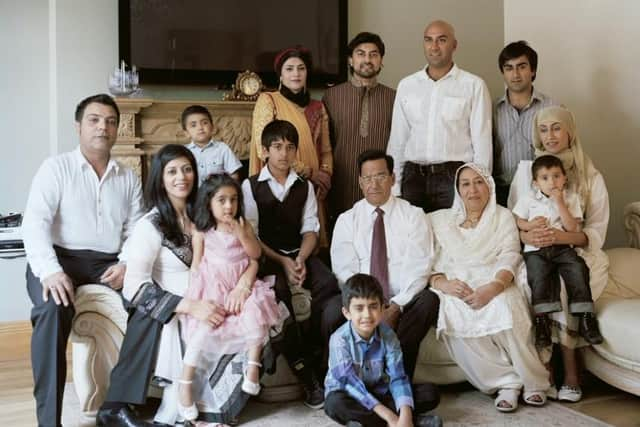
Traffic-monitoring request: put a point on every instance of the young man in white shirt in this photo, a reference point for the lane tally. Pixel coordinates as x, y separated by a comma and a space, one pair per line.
410, 308
81, 207
441, 120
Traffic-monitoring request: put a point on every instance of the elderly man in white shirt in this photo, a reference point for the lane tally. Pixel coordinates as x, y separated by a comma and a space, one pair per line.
80, 209
441, 119
388, 238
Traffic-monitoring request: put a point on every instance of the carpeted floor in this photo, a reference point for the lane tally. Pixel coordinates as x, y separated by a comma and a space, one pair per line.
466, 408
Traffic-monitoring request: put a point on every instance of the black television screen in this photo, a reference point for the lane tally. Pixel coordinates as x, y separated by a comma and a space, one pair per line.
210, 41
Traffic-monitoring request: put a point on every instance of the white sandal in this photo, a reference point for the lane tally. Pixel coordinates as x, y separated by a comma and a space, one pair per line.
248, 386
189, 413
528, 395
509, 396
568, 393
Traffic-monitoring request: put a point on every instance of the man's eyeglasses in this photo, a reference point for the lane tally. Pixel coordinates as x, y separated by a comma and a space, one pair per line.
378, 178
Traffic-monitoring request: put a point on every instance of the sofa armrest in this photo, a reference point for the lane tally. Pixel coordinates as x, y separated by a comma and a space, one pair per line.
632, 223
97, 332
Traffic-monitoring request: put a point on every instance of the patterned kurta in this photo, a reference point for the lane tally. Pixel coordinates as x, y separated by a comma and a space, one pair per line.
360, 119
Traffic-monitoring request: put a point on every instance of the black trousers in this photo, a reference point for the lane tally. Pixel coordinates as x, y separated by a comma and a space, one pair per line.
51, 328
430, 187
342, 408
544, 269
129, 380
305, 344
420, 314
502, 194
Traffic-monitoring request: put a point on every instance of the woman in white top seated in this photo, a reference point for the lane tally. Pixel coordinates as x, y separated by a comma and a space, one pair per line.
555, 133
484, 319
159, 255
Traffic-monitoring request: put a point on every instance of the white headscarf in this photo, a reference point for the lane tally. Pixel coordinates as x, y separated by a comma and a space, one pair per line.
484, 242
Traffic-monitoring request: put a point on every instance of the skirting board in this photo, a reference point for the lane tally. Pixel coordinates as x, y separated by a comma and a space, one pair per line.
15, 340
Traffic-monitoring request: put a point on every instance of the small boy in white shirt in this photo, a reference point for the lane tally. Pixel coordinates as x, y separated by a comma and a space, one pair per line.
554, 206
212, 157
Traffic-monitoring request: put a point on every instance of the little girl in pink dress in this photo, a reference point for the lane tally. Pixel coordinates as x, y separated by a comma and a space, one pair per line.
224, 247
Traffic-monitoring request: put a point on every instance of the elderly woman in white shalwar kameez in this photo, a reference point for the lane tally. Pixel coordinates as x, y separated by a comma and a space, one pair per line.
484, 318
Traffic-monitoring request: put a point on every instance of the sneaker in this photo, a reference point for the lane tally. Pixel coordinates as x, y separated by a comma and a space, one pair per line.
569, 393
428, 421
314, 395
589, 329
543, 331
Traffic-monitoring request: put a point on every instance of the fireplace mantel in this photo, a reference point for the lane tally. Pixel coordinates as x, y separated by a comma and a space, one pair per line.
148, 124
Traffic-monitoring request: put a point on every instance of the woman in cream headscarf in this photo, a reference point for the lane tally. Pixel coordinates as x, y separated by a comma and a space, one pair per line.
483, 317
555, 133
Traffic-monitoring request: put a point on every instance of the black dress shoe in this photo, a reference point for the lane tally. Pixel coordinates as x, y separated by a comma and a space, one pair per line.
543, 331
122, 417
589, 329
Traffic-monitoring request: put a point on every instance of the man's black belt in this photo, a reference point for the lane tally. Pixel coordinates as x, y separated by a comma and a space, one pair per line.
435, 168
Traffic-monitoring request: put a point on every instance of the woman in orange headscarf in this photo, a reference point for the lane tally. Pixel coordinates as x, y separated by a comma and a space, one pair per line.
293, 103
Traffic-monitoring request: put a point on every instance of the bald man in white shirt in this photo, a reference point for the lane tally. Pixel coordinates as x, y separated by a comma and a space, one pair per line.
441, 120
80, 209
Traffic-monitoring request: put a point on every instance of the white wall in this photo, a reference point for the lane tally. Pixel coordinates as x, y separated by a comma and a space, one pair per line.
401, 24
55, 52
87, 52
589, 60
24, 125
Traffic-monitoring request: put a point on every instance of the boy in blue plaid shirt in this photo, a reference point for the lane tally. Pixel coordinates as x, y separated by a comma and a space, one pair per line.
366, 384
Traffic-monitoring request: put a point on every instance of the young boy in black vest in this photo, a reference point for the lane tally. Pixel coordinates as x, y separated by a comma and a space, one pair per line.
282, 208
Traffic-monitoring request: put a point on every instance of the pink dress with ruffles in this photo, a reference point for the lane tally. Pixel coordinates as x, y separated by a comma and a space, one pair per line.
223, 262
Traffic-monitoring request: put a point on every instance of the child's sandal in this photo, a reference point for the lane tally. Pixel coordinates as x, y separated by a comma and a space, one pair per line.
248, 386
189, 413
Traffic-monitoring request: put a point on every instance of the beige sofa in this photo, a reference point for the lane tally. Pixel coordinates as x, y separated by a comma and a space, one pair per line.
100, 322
96, 336
617, 360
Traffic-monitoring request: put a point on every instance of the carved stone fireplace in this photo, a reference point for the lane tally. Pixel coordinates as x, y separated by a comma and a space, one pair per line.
148, 124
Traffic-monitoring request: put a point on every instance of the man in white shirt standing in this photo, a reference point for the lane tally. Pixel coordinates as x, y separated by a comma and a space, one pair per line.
441, 120
80, 209
388, 238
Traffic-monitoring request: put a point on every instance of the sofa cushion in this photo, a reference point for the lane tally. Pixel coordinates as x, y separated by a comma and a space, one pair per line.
619, 319
623, 273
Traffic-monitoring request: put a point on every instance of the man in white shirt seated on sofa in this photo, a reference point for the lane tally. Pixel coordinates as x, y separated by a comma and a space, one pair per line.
392, 240
441, 120
81, 206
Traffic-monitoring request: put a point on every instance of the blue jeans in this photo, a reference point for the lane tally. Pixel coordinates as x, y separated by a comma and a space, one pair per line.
544, 269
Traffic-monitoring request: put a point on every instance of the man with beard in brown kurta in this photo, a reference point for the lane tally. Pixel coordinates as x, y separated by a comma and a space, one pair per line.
360, 113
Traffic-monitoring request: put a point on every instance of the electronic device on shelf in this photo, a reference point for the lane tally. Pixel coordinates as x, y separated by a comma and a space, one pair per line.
11, 220
11, 233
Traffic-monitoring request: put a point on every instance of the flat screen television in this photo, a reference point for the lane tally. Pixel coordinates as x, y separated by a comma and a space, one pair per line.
207, 42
